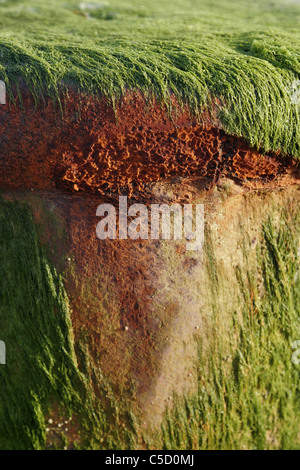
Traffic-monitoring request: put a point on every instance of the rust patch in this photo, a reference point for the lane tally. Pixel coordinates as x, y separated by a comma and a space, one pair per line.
96, 149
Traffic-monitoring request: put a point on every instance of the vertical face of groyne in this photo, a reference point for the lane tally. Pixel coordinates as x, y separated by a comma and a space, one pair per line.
139, 306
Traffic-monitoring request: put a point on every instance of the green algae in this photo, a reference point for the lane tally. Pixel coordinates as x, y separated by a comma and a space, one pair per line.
248, 390
35, 325
248, 387
42, 370
246, 54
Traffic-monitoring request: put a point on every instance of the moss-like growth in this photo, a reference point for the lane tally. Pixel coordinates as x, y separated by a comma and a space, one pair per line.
248, 386
41, 368
244, 54
35, 325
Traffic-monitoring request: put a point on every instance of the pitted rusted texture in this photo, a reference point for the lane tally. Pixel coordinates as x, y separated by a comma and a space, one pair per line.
94, 148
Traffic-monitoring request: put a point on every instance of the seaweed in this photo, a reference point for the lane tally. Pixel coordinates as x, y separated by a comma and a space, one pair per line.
243, 56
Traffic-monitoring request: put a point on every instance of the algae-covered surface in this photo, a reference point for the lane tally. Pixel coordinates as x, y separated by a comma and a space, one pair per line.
244, 54
54, 393
139, 344
35, 323
42, 378
248, 393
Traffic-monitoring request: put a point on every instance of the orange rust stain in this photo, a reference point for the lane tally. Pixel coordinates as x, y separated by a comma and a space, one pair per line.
94, 149
126, 268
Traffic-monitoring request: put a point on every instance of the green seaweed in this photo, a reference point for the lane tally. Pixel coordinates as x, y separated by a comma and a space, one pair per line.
248, 387
35, 325
41, 368
249, 395
245, 54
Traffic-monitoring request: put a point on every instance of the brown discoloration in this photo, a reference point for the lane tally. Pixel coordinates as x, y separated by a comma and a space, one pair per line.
96, 149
